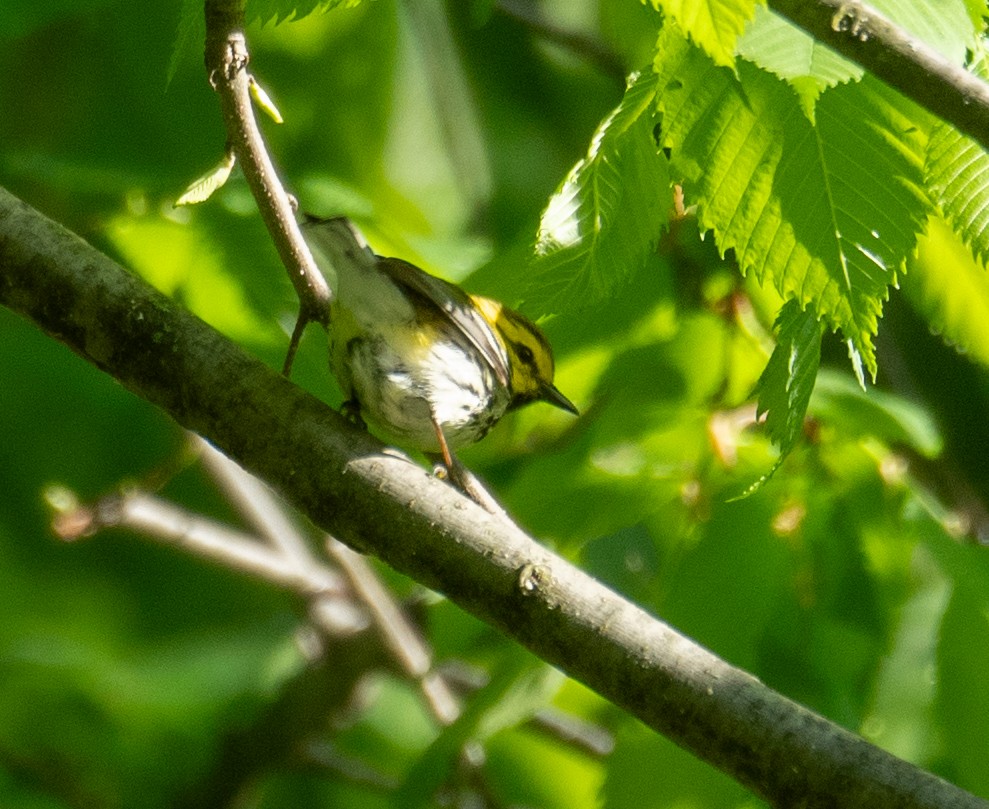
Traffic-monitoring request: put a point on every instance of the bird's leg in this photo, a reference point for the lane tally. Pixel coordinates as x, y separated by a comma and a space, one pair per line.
459, 475
351, 410
446, 455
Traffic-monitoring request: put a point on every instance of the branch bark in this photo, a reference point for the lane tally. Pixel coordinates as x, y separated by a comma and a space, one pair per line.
380, 503
860, 33
226, 62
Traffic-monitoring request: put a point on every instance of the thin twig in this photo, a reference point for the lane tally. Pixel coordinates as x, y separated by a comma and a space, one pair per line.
226, 63
398, 634
256, 502
327, 758
267, 514
164, 522
587, 737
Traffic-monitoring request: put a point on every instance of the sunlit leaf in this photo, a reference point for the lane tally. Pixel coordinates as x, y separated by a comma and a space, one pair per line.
176, 260
276, 11
202, 188
264, 102
945, 25
779, 46
978, 13
192, 28
602, 222
826, 212
957, 170
714, 25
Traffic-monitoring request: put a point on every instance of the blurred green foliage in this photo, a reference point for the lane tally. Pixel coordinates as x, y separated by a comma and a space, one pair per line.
851, 581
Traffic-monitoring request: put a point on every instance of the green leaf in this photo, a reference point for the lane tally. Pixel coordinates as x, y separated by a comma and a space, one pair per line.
604, 220
788, 381
647, 769
176, 259
192, 28
945, 25
978, 13
714, 25
202, 188
827, 212
951, 290
900, 717
957, 171
189, 38
963, 661
875, 413
278, 11
777, 45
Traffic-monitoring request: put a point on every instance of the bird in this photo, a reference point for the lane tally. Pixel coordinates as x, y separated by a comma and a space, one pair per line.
432, 367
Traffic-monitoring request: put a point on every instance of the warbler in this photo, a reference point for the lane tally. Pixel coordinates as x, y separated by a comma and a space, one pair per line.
431, 366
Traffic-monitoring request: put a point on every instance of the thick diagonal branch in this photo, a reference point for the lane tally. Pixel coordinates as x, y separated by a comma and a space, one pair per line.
377, 502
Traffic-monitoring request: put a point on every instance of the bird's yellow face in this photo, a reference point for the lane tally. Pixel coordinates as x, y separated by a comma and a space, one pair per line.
529, 353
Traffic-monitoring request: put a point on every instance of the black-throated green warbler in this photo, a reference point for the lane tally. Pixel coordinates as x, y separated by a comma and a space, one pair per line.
433, 367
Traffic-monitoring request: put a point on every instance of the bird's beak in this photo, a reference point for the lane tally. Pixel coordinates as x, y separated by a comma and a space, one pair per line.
549, 393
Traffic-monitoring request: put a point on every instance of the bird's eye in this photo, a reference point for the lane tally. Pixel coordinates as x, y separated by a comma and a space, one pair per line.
525, 353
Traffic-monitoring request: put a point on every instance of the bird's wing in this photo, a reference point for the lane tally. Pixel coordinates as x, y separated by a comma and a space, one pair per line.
456, 306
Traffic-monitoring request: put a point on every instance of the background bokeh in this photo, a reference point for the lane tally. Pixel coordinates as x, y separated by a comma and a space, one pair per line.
856, 581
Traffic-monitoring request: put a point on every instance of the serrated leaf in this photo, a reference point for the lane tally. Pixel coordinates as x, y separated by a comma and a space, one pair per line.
192, 27
202, 188
277, 11
189, 37
777, 45
605, 218
786, 385
714, 25
788, 381
826, 211
957, 172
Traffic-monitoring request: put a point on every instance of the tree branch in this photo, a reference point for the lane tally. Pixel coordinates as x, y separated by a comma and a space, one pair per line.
398, 634
226, 62
376, 502
860, 33
172, 525
267, 514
